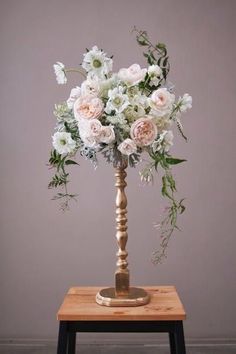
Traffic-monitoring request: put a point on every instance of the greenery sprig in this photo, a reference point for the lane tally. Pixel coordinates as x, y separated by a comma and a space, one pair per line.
60, 178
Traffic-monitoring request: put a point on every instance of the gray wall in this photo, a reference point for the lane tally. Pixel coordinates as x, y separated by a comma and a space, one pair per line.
44, 252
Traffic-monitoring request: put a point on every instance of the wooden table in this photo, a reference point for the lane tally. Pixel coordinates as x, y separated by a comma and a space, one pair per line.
80, 313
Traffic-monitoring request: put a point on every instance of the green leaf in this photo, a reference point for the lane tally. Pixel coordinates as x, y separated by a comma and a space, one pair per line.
71, 162
174, 161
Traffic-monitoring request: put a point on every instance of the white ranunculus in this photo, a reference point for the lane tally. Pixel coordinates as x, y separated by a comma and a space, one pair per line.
74, 94
161, 102
132, 75
63, 142
185, 102
127, 147
60, 73
96, 62
118, 101
154, 70
107, 135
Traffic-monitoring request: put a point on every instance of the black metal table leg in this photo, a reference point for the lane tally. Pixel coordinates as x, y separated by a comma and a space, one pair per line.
179, 338
172, 343
62, 338
71, 342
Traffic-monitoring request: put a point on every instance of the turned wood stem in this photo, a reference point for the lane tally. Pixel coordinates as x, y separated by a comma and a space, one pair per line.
122, 272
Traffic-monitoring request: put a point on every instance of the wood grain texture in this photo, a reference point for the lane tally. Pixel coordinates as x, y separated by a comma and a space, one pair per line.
79, 305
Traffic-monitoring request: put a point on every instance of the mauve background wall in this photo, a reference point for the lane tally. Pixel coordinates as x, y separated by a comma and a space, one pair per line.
43, 252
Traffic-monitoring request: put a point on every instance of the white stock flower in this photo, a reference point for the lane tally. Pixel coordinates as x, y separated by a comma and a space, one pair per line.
63, 143
164, 142
107, 135
127, 147
132, 75
74, 94
161, 102
60, 73
118, 101
163, 123
185, 102
96, 62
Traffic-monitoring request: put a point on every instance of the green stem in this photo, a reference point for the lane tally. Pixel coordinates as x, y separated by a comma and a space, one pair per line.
75, 71
150, 45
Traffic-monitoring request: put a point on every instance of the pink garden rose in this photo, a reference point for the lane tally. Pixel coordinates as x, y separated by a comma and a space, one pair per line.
161, 102
107, 135
127, 147
143, 131
132, 75
88, 107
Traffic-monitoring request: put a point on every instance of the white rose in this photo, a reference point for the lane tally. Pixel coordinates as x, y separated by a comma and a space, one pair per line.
74, 94
161, 102
127, 147
90, 131
154, 72
90, 87
107, 135
132, 75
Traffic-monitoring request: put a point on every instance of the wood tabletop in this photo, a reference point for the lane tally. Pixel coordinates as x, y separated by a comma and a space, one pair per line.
79, 305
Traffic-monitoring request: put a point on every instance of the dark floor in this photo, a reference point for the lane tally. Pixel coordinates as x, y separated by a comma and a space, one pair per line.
116, 349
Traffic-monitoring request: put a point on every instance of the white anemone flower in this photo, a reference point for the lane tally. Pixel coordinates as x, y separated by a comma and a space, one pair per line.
63, 142
118, 101
96, 62
60, 73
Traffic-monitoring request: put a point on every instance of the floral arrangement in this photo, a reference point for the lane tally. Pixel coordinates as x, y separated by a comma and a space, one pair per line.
121, 115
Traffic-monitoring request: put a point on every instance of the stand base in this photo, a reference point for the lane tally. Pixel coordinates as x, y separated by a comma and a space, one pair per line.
136, 297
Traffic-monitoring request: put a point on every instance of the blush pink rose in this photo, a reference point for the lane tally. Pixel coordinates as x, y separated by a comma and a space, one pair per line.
143, 131
132, 75
161, 102
127, 147
88, 107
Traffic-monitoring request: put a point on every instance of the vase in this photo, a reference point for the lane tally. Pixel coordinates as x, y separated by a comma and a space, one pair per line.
122, 294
